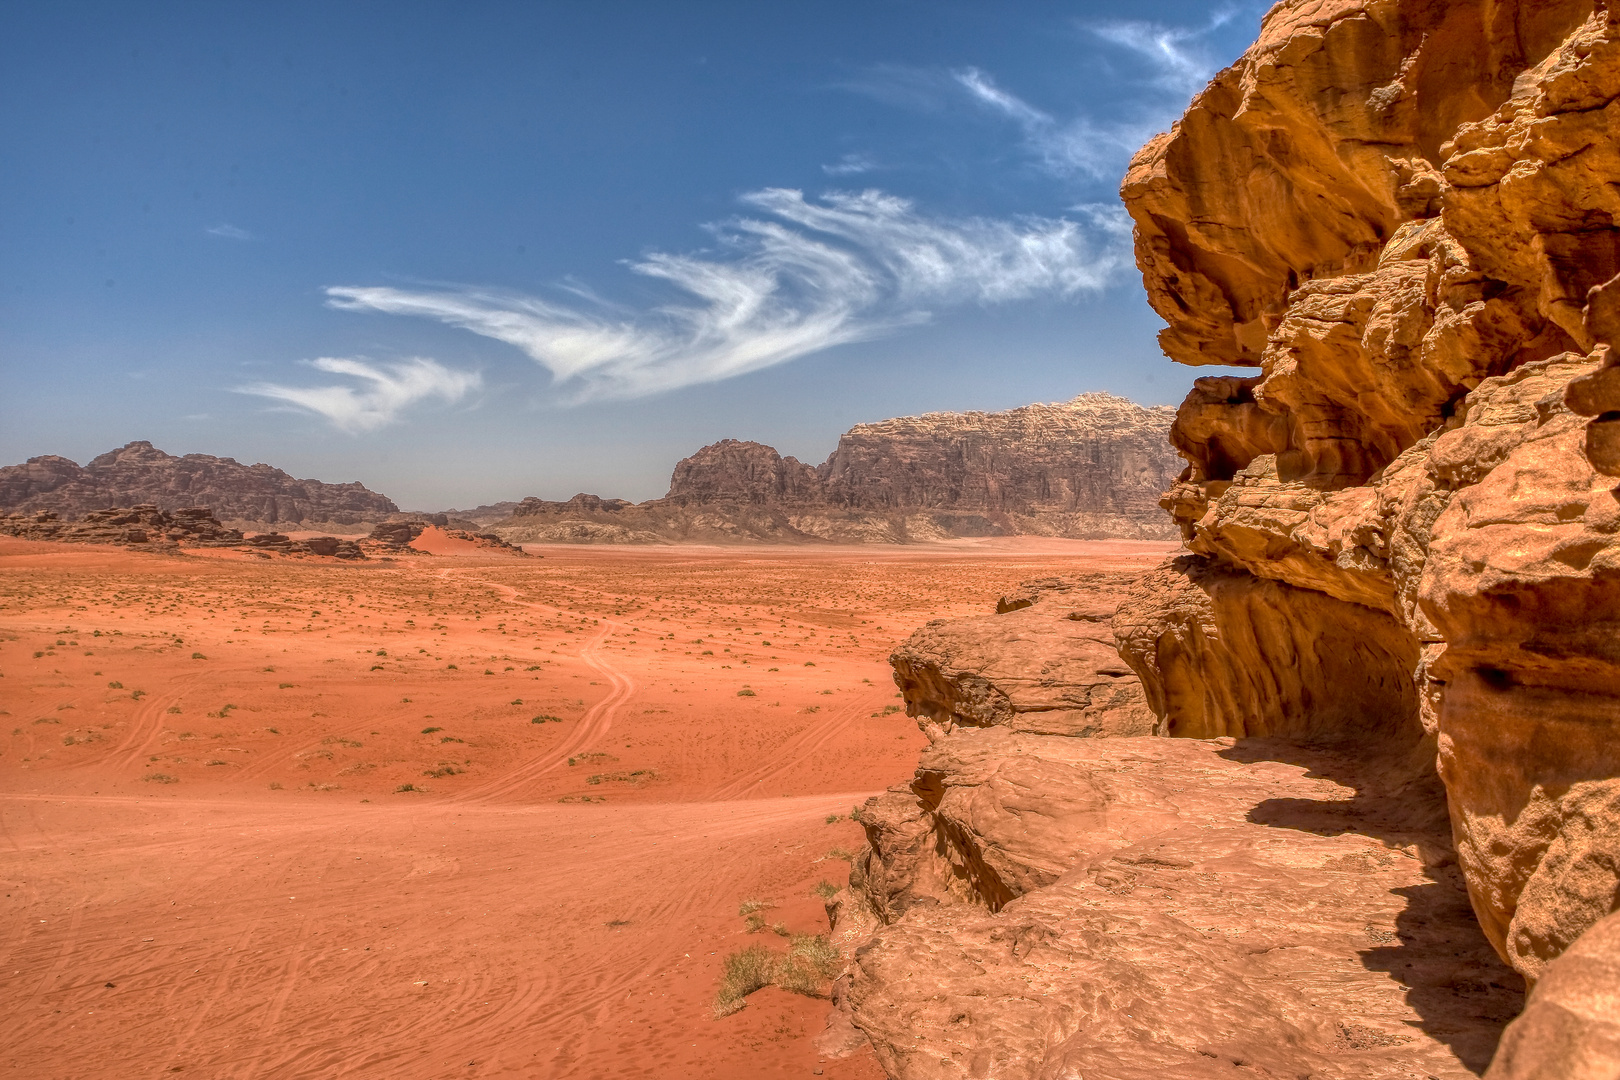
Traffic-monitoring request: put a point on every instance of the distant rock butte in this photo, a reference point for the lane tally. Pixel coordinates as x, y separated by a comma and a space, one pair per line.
1393, 641
139, 473
1088, 468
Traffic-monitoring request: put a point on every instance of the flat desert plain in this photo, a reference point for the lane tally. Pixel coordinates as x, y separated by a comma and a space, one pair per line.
449, 815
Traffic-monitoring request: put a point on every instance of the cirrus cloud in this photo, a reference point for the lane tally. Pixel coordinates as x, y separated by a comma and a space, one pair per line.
800, 277
377, 394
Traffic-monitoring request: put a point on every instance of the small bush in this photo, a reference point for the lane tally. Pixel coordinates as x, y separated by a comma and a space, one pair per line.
431, 730
840, 853
545, 718
855, 813
748, 907
405, 787
811, 963
115, 686
825, 889
198, 656
745, 693
160, 778
285, 686
753, 924
743, 972
449, 738
174, 710
275, 785
831, 818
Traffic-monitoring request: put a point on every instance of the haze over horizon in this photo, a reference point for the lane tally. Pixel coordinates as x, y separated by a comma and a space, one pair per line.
464, 254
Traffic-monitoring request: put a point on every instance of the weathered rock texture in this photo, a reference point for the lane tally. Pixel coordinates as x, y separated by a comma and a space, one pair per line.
1403, 571
1404, 215
1045, 665
1135, 908
1087, 468
139, 473
1570, 1029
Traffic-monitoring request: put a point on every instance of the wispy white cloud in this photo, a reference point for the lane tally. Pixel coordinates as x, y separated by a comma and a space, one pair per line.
802, 277
1159, 65
1080, 146
230, 232
1178, 55
378, 394
851, 165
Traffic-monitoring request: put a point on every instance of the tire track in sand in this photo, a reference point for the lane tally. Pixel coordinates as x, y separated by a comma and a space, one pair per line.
596, 723
795, 752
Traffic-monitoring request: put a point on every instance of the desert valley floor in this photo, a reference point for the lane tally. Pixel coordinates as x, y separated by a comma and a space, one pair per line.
450, 815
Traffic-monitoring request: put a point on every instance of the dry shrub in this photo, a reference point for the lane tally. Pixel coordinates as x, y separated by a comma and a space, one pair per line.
809, 965
743, 972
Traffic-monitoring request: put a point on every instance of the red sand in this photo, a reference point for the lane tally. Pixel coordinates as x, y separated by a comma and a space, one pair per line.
199, 800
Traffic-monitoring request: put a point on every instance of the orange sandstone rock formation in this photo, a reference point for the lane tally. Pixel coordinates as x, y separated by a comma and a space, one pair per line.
1402, 571
1404, 215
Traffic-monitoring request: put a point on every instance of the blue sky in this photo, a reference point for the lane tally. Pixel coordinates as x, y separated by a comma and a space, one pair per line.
471, 251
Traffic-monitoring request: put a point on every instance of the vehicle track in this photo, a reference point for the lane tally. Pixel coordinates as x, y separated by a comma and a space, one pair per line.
593, 726
796, 751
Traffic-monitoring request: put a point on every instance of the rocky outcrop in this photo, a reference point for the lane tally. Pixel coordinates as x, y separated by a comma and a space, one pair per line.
148, 527
405, 536
1403, 557
1097, 456
1570, 1029
1088, 468
731, 471
1422, 263
1046, 666
1124, 908
139, 473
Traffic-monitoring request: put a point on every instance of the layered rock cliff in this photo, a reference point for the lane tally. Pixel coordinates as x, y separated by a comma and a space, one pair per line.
1087, 468
1402, 576
139, 473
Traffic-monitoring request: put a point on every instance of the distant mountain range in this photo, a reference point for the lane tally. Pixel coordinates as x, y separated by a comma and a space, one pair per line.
1087, 468
139, 473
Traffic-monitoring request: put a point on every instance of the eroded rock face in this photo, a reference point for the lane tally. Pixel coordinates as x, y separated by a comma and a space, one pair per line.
139, 473
1096, 455
1046, 666
1404, 215
1570, 1029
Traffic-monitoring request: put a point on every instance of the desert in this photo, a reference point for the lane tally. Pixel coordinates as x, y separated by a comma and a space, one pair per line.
211, 867
1045, 730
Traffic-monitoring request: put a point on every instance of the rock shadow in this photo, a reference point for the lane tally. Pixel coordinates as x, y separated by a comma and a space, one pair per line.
1461, 990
